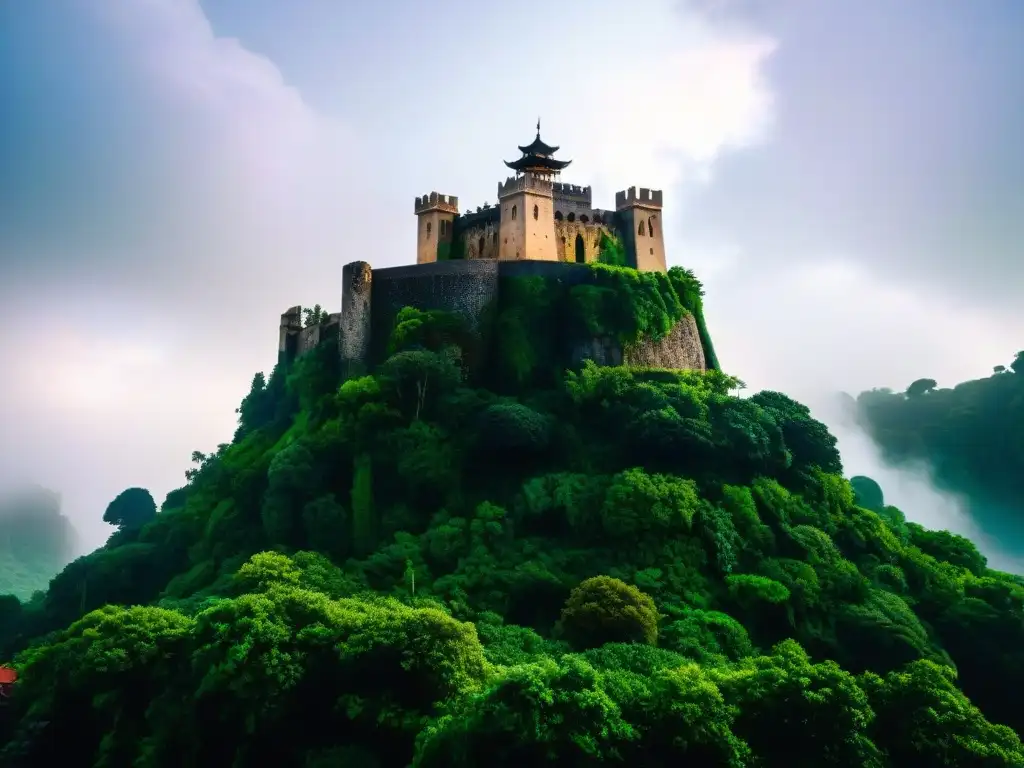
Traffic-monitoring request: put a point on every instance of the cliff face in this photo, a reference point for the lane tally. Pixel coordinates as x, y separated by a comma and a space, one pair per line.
565, 312
680, 349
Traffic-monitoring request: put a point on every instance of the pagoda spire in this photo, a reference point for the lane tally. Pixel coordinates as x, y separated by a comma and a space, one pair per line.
538, 158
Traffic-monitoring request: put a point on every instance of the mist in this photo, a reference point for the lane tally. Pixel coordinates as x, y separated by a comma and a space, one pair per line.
913, 490
175, 174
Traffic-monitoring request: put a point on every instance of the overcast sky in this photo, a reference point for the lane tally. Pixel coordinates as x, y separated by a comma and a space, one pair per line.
846, 177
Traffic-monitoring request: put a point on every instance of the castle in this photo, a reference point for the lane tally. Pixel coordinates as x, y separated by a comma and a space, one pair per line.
539, 228
540, 219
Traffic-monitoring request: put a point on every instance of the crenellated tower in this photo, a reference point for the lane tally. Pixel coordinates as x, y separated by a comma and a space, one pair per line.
527, 229
539, 218
436, 223
643, 236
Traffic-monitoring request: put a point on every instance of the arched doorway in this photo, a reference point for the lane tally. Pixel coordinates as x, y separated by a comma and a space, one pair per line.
581, 255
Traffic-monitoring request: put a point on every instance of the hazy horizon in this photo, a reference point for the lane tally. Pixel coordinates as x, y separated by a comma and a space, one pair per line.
845, 178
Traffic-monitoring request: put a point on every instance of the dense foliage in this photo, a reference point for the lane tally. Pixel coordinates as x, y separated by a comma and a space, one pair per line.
538, 323
36, 541
626, 567
969, 436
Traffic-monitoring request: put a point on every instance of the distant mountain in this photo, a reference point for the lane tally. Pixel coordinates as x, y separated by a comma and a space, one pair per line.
36, 540
970, 435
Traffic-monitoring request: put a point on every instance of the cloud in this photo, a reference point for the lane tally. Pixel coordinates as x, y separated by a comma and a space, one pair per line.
894, 145
689, 108
193, 192
173, 180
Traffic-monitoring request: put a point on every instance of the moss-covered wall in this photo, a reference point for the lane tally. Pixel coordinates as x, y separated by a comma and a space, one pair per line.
533, 319
466, 287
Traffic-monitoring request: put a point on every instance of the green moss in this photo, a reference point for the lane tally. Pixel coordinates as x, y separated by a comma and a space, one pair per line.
537, 320
451, 251
611, 251
522, 327
626, 304
691, 293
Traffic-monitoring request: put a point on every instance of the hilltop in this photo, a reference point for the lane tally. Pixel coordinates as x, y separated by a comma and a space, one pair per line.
484, 556
969, 436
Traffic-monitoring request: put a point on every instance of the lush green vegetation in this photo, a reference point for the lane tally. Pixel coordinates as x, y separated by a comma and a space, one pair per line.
970, 436
611, 251
538, 321
618, 567
36, 541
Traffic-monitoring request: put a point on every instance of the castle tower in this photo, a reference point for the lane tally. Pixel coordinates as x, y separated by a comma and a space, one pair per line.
436, 216
640, 217
527, 228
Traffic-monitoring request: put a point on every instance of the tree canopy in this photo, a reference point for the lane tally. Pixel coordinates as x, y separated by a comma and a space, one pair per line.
969, 436
600, 566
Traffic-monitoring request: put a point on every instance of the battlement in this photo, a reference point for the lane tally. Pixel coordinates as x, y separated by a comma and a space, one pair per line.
485, 214
525, 183
437, 202
573, 192
648, 198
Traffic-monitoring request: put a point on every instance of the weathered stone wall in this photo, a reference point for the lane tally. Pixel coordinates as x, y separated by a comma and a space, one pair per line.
527, 229
356, 316
680, 349
371, 299
481, 242
639, 219
312, 337
590, 233
291, 325
467, 287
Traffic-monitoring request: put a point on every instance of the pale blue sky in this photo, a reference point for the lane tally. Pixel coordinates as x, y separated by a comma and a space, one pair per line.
846, 178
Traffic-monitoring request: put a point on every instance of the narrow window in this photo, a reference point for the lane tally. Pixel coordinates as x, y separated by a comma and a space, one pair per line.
536, 212
650, 226
495, 238
480, 247
428, 229
514, 212
641, 230
581, 255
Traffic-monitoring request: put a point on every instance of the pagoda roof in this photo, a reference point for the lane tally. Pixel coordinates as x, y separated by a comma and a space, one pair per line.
538, 156
538, 147
538, 163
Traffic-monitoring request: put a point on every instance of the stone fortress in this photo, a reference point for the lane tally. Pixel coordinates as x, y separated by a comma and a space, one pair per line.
539, 227
539, 219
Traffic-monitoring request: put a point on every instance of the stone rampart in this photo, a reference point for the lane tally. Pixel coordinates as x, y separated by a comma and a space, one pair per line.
647, 198
372, 298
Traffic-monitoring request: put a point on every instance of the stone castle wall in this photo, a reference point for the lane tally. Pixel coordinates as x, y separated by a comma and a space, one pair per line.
372, 298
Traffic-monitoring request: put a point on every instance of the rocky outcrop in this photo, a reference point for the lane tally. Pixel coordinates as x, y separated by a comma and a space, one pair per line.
679, 349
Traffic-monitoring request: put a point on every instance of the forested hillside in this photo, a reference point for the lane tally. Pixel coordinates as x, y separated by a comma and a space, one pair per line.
970, 436
431, 565
36, 540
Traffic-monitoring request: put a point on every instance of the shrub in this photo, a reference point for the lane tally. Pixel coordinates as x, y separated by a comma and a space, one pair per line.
606, 610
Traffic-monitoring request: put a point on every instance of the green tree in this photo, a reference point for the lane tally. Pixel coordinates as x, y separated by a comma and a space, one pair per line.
603, 609
923, 719
131, 509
